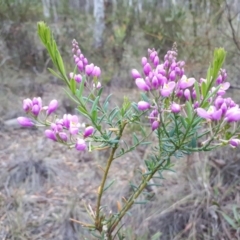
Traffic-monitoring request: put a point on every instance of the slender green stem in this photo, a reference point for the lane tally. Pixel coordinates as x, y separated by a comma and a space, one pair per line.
101, 188
98, 223
135, 195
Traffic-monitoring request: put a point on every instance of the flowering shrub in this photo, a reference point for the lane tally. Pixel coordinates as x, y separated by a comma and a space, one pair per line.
187, 115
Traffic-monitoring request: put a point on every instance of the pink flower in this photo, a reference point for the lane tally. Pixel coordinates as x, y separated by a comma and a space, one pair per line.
96, 71
89, 69
186, 82
187, 94
223, 88
233, 114
142, 105
37, 105
144, 61
74, 125
175, 108
52, 106
142, 84
27, 104
63, 136
155, 125
88, 131
25, 122
167, 89
50, 134
80, 145
234, 142
211, 114
78, 78
136, 74
147, 69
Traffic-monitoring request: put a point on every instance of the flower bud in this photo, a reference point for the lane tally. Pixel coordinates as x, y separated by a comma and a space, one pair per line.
52, 106
63, 136
135, 74
89, 69
234, 142
80, 145
27, 104
147, 69
78, 78
175, 108
155, 125
142, 84
50, 134
142, 105
25, 122
88, 131
144, 61
96, 71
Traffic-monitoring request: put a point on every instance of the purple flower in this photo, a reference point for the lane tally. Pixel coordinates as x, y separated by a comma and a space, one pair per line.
80, 65
175, 108
36, 109
156, 61
223, 88
50, 134
187, 94
142, 105
52, 106
37, 105
80, 145
153, 116
74, 125
147, 69
155, 125
233, 114
186, 82
167, 89
161, 79
144, 61
88, 131
27, 104
25, 122
78, 78
63, 136
142, 84
155, 82
96, 71
89, 69
135, 74
234, 142
172, 76
211, 114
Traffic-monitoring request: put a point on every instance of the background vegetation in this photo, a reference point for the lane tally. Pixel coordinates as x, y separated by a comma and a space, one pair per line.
43, 186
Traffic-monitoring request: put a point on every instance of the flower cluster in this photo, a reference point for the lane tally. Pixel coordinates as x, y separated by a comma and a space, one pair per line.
34, 108
162, 80
65, 130
172, 90
86, 69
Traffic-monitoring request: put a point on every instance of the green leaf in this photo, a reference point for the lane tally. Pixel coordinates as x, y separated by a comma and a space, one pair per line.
94, 116
95, 103
196, 86
73, 86
109, 185
229, 220
189, 111
156, 236
135, 139
54, 73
